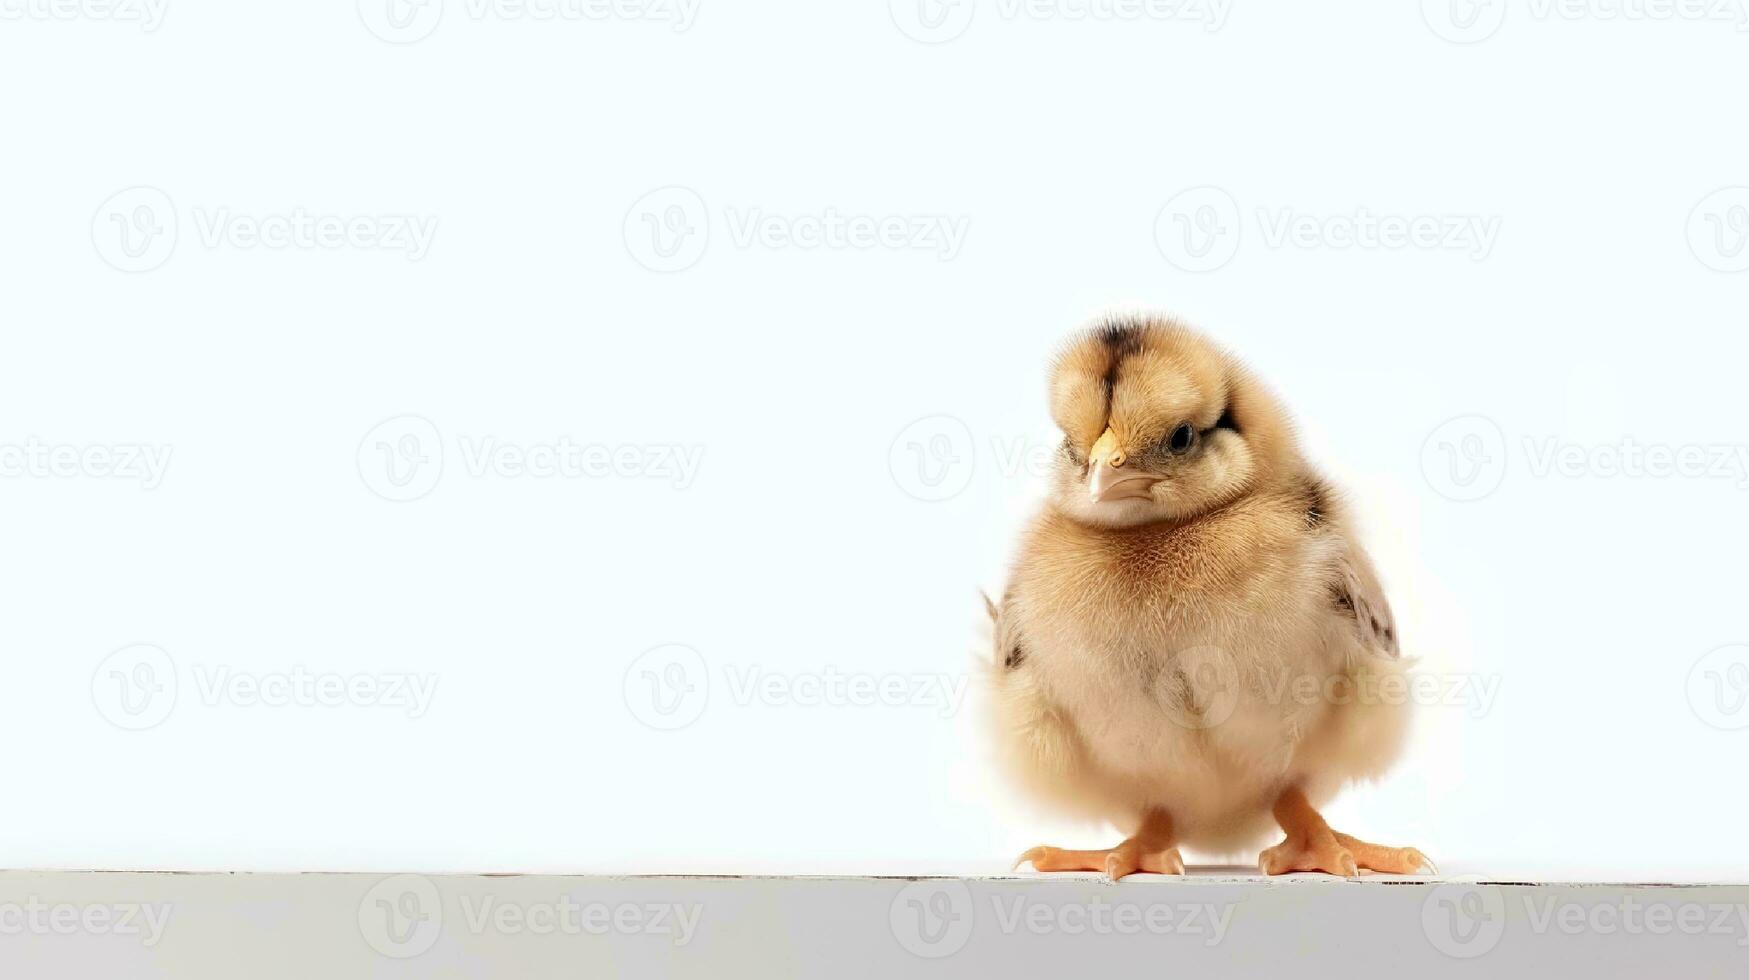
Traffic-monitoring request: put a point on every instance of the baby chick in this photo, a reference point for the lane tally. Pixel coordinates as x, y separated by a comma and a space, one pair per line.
1192, 639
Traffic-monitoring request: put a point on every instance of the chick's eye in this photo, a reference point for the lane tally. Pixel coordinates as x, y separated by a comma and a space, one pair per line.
1181, 439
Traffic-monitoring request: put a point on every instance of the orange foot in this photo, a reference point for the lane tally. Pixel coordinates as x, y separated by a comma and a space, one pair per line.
1125, 859
1149, 850
1339, 854
1312, 846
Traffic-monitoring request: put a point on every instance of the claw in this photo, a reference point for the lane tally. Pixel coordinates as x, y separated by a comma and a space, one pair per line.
1113, 867
1027, 857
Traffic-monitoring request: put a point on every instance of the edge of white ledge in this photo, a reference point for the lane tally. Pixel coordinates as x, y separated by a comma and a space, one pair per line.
1209, 874
1216, 921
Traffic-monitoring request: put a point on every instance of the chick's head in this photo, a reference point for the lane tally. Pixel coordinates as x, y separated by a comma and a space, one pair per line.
1158, 424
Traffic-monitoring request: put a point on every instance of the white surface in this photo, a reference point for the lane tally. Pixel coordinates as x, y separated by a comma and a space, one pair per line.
342, 926
797, 553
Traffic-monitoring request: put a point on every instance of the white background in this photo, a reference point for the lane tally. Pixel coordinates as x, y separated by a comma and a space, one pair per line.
827, 533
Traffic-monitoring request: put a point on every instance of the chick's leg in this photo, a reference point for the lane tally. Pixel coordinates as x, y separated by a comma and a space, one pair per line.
1149, 849
1311, 845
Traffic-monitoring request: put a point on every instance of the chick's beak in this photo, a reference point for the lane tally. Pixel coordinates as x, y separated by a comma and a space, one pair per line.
1108, 478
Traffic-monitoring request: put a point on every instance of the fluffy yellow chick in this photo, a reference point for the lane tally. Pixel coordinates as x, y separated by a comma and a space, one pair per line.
1192, 640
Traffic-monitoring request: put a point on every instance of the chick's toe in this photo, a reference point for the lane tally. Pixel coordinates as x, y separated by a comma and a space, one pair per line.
1317, 851
1127, 858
